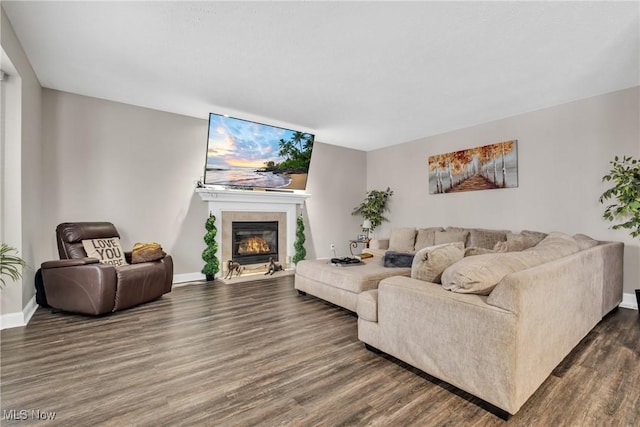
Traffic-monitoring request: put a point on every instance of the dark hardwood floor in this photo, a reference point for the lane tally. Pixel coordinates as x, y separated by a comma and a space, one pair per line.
256, 353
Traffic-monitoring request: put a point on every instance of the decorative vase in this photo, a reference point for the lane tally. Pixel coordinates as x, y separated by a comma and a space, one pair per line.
209, 277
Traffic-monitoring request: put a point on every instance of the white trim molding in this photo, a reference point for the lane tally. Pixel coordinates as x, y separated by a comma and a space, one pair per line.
187, 277
629, 301
20, 318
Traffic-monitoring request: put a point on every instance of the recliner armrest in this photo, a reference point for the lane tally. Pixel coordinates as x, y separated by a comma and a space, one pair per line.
69, 262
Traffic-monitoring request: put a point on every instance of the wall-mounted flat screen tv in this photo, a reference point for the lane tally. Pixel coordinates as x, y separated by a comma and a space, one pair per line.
245, 154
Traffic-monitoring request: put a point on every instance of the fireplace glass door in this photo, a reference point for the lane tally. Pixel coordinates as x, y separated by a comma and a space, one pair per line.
254, 242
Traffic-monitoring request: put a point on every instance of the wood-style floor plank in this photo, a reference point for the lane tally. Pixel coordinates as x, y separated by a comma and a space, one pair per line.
256, 353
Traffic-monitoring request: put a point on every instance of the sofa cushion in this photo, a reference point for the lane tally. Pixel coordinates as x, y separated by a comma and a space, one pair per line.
368, 305
356, 278
472, 251
555, 245
426, 237
402, 239
480, 238
430, 262
480, 274
533, 237
516, 243
584, 241
450, 236
107, 251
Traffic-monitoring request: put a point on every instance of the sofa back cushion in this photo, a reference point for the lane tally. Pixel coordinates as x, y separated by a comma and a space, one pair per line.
429, 263
426, 237
402, 239
584, 241
480, 238
451, 236
480, 274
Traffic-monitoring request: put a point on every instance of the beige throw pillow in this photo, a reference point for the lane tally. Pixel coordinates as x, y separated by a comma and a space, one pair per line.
107, 251
480, 274
402, 239
429, 263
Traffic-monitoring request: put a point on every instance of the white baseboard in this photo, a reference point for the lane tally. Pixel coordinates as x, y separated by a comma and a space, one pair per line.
187, 277
629, 301
20, 318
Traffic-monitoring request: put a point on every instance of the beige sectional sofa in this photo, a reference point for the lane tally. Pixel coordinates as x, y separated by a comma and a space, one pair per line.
496, 322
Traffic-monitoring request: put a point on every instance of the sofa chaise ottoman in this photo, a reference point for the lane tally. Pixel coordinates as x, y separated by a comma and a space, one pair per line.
342, 285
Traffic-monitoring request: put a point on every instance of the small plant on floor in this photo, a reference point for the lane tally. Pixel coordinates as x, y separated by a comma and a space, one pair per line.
212, 265
10, 265
374, 206
625, 174
299, 243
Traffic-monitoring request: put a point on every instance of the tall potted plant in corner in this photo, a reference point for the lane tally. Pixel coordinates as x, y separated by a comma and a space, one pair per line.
212, 265
373, 207
10, 265
625, 195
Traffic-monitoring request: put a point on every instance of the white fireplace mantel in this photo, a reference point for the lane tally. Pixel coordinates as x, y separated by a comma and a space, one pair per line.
227, 200
225, 195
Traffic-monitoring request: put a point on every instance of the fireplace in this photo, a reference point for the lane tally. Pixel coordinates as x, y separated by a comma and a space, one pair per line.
230, 206
254, 242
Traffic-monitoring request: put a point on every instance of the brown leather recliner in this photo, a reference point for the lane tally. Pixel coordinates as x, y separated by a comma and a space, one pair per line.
80, 284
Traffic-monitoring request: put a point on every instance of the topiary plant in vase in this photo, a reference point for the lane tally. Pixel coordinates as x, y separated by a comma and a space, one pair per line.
299, 243
212, 265
374, 206
625, 175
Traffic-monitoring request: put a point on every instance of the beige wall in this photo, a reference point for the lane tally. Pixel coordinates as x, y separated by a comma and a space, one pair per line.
337, 183
23, 179
138, 167
128, 165
563, 152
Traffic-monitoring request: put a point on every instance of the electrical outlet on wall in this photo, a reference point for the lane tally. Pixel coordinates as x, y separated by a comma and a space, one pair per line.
333, 247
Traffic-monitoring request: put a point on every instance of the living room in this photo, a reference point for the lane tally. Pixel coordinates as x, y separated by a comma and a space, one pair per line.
79, 157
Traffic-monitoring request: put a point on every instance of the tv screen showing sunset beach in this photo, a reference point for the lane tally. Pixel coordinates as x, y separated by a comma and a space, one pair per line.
242, 153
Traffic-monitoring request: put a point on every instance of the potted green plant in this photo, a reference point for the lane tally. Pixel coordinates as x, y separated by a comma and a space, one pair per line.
212, 265
11, 264
373, 207
625, 195
299, 243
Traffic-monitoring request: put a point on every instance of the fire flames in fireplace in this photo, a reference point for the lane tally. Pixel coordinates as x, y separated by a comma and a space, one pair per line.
253, 245
254, 241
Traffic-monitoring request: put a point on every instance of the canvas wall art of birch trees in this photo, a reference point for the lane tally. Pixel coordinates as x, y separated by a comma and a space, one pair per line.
481, 168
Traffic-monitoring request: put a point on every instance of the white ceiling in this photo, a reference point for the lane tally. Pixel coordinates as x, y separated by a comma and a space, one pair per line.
357, 74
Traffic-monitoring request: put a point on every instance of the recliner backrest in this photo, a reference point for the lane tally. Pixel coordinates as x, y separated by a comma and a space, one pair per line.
70, 235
